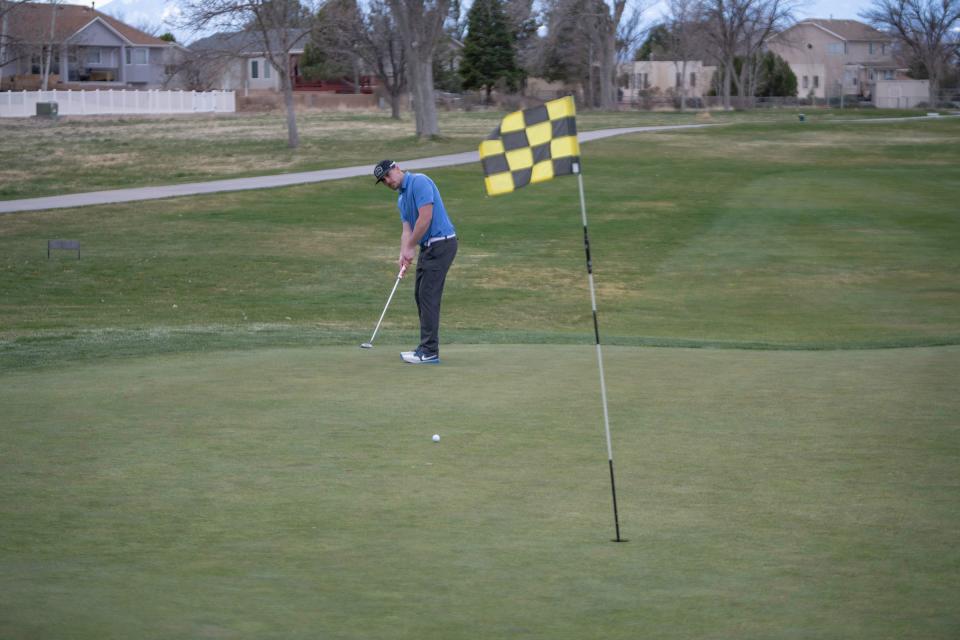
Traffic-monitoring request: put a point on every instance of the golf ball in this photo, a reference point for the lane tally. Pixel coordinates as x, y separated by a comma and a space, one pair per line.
436, 437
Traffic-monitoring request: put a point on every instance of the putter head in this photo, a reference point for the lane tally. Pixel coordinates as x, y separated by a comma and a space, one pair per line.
366, 345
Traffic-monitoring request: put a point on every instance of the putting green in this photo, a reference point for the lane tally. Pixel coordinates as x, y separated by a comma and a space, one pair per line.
296, 493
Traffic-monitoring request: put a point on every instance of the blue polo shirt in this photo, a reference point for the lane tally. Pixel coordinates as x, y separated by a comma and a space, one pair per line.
417, 190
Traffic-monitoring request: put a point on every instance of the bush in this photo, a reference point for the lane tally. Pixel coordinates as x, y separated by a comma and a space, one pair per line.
692, 103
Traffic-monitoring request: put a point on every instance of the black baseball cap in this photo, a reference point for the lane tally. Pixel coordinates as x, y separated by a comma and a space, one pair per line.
382, 169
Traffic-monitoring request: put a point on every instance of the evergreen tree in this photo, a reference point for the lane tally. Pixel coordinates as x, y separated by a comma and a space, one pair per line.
776, 78
489, 53
657, 42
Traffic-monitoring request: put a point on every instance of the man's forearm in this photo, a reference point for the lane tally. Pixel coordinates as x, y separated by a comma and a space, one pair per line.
423, 224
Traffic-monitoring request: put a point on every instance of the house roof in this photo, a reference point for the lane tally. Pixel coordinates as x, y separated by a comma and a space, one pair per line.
250, 42
30, 22
849, 30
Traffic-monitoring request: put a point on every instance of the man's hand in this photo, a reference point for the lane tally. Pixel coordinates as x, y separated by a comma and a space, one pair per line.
407, 255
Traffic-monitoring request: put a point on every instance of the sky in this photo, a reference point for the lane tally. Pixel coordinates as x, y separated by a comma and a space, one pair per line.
839, 9
139, 13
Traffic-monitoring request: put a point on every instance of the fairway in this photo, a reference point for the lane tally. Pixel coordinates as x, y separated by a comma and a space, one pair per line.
193, 444
297, 494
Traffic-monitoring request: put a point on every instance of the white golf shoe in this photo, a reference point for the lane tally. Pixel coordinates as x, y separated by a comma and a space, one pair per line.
418, 357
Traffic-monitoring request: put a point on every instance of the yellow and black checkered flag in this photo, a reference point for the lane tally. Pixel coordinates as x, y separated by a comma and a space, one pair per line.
530, 146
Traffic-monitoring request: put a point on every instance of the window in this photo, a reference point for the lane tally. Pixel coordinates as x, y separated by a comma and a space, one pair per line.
137, 56
888, 74
816, 82
93, 55
806, 82
871, 48
259, 68
837, 48
693, 79
679, 80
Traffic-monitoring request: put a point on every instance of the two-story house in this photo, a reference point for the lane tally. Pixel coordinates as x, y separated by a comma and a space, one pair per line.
78, 46
837, 57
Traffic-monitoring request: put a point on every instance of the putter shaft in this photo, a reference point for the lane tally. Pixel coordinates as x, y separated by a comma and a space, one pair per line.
369, 345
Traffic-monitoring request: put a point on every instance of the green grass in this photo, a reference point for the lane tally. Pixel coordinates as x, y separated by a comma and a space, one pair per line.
762, 236
40, 158
296, 493
194, 446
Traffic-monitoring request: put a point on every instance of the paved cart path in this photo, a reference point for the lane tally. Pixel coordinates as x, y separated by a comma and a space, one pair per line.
279, 180
288, 179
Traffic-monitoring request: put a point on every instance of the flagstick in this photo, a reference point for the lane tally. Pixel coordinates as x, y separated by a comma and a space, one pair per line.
596, 333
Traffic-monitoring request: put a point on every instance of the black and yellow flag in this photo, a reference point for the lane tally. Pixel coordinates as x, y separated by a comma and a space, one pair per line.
530, 146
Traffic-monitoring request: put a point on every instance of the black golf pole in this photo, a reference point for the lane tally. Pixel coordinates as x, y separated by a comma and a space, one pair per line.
596, 333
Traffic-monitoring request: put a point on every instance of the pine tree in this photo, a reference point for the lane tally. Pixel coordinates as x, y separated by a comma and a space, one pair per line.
489, 52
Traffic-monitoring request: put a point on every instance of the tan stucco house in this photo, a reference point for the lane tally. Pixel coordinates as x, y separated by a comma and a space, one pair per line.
665, 78
838, 57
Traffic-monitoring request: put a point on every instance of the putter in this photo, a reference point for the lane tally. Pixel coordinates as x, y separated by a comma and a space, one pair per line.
369, 345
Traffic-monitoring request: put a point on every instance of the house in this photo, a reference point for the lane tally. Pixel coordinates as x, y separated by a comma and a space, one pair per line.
665, 79
239, 61
85, 48
833, 58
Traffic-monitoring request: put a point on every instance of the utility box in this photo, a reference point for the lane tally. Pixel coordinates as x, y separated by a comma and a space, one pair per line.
47, 110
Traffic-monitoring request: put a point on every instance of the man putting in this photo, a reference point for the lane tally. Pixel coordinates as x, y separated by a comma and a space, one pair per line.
425, 222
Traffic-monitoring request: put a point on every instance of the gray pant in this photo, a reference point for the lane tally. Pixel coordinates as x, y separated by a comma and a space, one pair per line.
432, 267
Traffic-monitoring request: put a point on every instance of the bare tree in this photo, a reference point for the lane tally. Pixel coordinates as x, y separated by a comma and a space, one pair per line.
584, 41
742, 28
369, 36
607, 19
5, 8
333, 42
608, 60
726, 21
280, 25
573, 45
28, 31
629, 34
199, 69
611, 27
51, 44
928, 28
524, 24
683, 28
7, 41
381, 47
421, 26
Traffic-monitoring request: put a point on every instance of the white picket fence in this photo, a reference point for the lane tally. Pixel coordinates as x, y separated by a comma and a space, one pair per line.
22, 104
